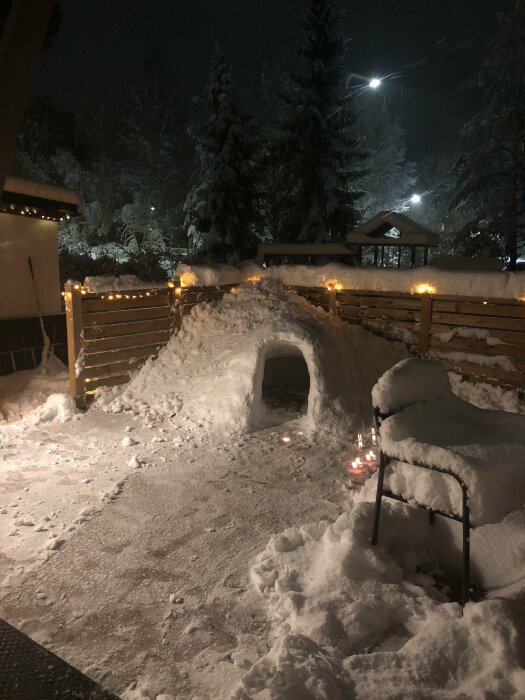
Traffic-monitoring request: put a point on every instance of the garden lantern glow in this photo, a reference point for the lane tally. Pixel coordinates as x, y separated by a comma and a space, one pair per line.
423, 288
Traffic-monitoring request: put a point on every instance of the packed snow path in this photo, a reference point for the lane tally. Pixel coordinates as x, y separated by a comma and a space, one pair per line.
157, 586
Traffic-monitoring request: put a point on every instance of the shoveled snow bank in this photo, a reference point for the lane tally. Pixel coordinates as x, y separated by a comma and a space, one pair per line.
21, 392
107, 283
211, 372
508, 285
352, 620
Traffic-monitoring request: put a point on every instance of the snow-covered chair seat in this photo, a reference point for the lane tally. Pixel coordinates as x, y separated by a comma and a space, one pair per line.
472, 460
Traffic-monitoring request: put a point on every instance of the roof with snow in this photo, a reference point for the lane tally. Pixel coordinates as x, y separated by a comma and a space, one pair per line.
376, 231
39, 199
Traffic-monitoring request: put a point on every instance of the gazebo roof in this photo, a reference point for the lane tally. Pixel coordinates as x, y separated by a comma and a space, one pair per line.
373, 231
39, 199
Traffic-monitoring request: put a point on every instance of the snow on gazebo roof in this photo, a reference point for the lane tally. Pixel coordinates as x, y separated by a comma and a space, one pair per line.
375, 230
39, 199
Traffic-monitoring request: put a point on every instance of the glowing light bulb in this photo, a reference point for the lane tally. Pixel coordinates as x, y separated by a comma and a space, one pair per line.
415, 199
375, 83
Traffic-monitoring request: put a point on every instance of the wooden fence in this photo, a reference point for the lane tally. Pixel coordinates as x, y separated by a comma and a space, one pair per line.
112, 334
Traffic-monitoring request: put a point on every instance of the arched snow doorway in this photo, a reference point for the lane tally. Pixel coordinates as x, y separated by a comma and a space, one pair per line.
282, 385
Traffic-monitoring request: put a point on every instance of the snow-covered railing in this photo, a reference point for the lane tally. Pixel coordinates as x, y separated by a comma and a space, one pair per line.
111, 334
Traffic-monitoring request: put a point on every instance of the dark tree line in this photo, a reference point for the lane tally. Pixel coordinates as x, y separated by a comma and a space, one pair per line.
311, 164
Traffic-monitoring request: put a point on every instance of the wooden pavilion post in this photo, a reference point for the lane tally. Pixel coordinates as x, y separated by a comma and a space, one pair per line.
413, 256
20, 47
376, 254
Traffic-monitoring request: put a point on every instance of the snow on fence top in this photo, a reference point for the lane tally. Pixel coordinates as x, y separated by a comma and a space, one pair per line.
108, 283
499, 285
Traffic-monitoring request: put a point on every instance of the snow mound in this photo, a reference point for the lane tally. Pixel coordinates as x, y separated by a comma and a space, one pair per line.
211, 372
22, 392
58, 408
351, 620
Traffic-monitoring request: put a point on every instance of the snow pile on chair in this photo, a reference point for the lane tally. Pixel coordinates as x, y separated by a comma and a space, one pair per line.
436, 428
210, 373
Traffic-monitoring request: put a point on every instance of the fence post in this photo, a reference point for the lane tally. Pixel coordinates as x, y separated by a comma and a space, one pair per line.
425, 323
74, 325
332, 294
175, 292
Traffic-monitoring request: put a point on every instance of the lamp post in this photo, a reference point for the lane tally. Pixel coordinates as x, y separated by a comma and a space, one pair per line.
373, 83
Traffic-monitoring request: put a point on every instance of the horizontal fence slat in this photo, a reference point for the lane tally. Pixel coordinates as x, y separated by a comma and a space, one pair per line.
126, 341
104, 358
101, 318
477, 346
469, 368
481, 309
98, 304
127, 328
115, 368
387, 314
406, 302
511, 337
105, 381
479, 321
192, 297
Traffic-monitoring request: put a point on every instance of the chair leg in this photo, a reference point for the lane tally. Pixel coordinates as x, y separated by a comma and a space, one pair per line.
466, 547
379, 495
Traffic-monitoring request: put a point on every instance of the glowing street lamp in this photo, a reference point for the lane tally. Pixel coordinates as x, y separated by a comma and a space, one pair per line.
374, 83
415, 199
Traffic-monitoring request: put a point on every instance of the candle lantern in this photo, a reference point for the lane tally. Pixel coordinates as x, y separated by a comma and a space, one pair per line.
365, 461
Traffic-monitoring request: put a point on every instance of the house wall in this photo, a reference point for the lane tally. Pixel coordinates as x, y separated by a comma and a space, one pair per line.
22, 237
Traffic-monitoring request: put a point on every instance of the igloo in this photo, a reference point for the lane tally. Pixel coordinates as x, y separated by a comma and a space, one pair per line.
220, 370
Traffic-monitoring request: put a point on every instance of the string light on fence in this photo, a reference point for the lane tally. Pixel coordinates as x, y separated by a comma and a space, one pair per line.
332, 285
423, 288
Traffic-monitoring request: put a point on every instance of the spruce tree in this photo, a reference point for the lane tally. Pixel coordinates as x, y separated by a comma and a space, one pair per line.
321, 162
389, 177
221, 207
491, 170
158, 155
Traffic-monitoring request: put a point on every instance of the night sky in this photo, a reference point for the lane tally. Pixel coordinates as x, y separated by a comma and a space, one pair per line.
102, 44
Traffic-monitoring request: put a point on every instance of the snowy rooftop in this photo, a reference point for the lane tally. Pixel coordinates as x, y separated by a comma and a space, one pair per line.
39, 198
373, 231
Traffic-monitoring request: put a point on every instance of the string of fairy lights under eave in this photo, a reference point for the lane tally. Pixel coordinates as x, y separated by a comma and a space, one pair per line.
32, 213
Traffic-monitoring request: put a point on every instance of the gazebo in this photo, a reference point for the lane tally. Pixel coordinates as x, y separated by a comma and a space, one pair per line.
392, 230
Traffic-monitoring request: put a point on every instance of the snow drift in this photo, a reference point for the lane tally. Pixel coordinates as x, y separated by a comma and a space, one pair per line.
211, 372
351, 620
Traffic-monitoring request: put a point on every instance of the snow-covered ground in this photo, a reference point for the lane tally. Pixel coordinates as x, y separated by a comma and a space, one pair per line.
164, 551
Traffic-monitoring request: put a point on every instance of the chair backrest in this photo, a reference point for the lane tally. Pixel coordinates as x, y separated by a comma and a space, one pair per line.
410, 381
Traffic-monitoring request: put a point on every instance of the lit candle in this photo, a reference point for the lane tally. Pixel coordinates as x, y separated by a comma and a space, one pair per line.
357, 471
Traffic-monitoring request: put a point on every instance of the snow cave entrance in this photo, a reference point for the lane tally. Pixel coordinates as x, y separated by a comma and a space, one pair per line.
284, 384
